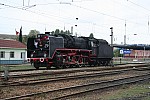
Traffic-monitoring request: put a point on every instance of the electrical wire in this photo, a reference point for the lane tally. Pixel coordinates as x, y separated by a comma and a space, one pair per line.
139, 5
104, 14
25, 8
46, 15
42, 14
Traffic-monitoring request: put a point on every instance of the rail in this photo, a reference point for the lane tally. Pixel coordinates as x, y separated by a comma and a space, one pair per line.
85, 88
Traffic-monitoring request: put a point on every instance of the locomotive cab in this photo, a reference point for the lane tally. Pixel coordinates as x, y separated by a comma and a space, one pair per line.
42, 48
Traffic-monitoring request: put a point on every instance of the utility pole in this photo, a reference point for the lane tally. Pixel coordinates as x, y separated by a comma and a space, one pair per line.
111, 36
76, 33
148, 24
23, 2
125, 34
112, 62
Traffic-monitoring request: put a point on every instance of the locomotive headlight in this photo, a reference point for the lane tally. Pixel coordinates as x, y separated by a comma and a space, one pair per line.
45, 54
31, 55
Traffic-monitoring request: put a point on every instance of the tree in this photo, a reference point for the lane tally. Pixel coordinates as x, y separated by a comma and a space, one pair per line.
57, 31
33, 33
20, 35
61, 32
69, 33
117, 53
91, 35
24, 39
52, 33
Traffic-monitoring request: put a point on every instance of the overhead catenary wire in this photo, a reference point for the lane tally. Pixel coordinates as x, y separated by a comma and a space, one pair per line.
45, 15
109, 16
27, 7
85, 21
40, 13
115, 17
138, 5
104, 14
142, 8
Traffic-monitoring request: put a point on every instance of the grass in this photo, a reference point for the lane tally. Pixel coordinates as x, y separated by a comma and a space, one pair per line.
128, 91
16, 67
146, 98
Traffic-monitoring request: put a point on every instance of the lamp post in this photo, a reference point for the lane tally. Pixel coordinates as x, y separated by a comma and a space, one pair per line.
76, 27
125, 34
144, 53
112, 44
111, 36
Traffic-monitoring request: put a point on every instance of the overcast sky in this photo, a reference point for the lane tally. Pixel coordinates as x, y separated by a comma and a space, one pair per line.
128, 17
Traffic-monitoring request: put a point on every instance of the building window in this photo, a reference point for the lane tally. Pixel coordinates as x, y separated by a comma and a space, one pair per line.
11, 54
22, 55
2, 54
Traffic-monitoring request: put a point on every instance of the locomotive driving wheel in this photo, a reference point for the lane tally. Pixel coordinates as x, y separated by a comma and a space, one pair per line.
60, 66
67, 66
80, 65
59, 61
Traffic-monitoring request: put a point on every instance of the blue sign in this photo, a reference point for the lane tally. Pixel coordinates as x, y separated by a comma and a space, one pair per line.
125, 51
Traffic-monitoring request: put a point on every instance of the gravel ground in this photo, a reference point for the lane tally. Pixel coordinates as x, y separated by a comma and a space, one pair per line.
20, 90
53, 76
103, 94
70, 69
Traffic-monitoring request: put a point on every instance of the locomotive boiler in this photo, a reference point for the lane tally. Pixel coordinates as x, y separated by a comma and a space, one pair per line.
64, 51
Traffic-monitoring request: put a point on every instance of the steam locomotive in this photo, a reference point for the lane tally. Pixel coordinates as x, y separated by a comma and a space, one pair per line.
64, 51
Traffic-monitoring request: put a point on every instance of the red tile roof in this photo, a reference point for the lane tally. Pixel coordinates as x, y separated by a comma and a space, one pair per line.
11, 44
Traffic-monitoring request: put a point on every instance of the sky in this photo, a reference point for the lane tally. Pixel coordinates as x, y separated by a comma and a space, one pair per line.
127, 17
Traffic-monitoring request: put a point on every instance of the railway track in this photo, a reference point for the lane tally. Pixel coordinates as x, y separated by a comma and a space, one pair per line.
63, 82
127, 64
73, 91
33, 69
61, 78
56, 72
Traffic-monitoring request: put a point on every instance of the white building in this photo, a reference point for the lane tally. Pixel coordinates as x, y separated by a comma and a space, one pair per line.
12, 52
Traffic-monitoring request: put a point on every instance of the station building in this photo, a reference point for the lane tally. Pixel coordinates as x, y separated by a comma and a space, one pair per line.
138, 54
12, 52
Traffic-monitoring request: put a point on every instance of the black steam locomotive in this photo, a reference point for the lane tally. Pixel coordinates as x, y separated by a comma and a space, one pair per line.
64, 51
